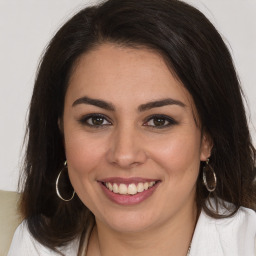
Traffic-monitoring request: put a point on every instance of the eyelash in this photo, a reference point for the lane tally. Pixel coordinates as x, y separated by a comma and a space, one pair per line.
85, 121
168, 119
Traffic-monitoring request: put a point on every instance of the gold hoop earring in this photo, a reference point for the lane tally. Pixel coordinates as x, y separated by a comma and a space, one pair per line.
57, 189
209, 177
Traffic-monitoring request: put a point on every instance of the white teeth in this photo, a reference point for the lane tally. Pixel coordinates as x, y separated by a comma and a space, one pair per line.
115, 188
146, 186
123, 189
130, 189
140, 187
109, 186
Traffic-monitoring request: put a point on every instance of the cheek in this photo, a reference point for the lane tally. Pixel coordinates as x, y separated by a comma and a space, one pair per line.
84, 157
178, 153
83, 153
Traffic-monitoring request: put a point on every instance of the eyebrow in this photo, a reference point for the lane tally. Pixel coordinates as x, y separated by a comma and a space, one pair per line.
109, 106
160, 103
95, 102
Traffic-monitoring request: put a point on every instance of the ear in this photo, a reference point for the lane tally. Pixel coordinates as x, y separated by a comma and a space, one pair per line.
206, 147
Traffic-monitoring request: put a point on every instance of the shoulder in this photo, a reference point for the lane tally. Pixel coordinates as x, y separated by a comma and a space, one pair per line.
228, 236
23, 243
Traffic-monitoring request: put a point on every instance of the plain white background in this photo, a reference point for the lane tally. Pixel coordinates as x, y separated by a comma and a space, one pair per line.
26, 27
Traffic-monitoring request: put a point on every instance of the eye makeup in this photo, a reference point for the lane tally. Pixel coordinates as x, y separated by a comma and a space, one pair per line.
160, 121
95, 120
156, 121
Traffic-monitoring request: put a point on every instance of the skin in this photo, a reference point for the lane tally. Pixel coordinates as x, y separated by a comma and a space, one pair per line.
130, 144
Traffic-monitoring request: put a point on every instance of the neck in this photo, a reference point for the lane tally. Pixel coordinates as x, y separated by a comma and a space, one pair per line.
171, 238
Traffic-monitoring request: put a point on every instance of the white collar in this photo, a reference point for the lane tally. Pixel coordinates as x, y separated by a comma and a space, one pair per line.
234, 236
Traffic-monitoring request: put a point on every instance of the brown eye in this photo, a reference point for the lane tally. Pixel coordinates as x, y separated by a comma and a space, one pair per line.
94, 120
97, 120
159, 121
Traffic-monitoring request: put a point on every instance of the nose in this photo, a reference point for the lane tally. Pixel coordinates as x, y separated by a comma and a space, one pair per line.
126, 149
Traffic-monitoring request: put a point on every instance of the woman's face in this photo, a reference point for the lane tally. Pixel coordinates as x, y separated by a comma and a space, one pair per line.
129, 125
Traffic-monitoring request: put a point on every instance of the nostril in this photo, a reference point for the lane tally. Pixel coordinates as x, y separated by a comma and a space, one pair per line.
125, 151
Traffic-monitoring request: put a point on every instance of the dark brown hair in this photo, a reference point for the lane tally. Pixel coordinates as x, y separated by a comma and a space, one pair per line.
195, 53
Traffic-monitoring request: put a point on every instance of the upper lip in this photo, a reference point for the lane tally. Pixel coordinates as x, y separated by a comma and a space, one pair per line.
131, 180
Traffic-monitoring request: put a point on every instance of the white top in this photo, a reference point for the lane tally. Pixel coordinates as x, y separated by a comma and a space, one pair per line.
233, 236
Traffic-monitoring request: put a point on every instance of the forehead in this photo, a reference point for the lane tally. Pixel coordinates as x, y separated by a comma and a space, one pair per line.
121, 73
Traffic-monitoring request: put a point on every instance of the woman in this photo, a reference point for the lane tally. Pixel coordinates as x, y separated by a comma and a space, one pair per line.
138, 142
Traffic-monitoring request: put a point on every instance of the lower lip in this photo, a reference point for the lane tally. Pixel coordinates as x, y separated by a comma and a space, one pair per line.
129, 199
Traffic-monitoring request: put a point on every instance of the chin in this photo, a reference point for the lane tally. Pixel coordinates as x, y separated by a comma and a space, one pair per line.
129, 221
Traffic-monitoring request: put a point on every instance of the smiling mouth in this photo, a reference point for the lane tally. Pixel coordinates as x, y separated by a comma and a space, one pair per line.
129, 189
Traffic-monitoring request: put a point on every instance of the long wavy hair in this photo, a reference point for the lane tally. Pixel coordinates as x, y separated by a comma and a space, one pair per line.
195, 53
